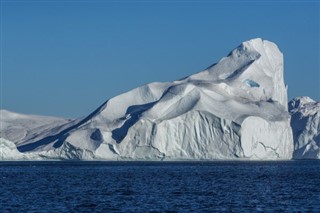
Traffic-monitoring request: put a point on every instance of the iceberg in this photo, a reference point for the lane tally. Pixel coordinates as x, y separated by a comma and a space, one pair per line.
305, 122
9, 151
235, 109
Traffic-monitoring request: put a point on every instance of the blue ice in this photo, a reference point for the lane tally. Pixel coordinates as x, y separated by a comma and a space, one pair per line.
251, 83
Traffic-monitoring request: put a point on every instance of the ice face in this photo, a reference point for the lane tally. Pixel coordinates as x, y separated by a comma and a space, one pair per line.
305, 123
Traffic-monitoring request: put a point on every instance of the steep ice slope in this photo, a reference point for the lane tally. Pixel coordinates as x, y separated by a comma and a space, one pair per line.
235, 109
305, 123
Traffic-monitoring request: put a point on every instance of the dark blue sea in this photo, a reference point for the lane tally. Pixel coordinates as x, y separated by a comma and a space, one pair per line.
286, 186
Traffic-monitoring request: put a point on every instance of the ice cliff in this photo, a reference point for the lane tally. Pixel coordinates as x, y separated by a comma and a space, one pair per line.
235, 109
305, 122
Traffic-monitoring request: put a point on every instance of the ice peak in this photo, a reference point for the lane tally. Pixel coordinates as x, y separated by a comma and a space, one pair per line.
298, 102
259, 45
252, 71
302, 99
252, 43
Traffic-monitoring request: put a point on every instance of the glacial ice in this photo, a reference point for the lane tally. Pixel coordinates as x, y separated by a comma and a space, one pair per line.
235, 109
305, 123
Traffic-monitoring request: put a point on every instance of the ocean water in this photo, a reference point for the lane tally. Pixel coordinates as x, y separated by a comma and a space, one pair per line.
286, 186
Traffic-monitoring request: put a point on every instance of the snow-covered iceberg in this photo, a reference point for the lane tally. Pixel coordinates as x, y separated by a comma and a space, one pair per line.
235, 109
24, 129
9, 151
305, 122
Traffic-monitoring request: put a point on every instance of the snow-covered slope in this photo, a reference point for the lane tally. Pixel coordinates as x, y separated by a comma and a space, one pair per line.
23, 129
305, 122
20, 129
235, 109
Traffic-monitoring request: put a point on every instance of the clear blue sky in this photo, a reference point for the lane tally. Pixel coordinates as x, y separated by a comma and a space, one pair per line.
65, 58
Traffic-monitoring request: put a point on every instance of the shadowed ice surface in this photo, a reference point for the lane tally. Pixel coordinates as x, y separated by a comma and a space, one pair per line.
288, 186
